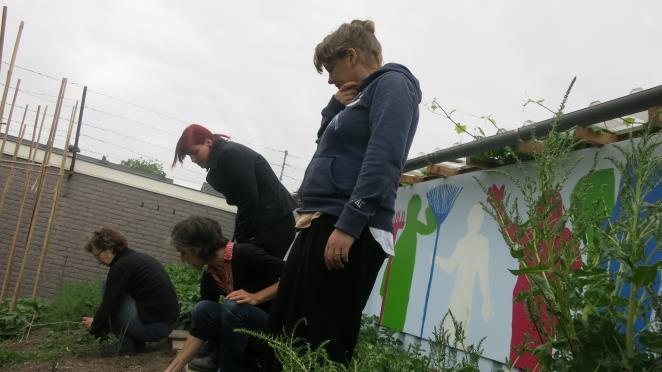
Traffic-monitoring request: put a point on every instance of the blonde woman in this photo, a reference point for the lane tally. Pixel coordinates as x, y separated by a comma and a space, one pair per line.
348, 191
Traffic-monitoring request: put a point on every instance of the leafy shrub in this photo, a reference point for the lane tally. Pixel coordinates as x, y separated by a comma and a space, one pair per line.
73, 302
14, 323
187, 286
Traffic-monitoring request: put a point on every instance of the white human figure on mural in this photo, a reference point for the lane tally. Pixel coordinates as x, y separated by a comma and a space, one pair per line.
470, 259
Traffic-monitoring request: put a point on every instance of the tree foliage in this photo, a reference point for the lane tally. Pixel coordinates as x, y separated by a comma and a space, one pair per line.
145, 165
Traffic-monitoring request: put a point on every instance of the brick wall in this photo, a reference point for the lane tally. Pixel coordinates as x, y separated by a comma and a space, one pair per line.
85, 204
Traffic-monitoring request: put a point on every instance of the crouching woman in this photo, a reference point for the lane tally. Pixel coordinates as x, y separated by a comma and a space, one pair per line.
139, 303
245, 274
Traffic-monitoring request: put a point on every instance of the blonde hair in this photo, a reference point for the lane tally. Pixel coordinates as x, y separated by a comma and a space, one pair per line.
357, 34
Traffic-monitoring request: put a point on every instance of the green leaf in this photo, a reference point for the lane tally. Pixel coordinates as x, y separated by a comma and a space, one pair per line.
653, 341
628, 121
482, 133
539, 268
516, 253
645, 275
459, 128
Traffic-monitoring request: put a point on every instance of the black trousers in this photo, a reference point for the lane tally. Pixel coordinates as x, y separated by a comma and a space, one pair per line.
331, 302
276, 240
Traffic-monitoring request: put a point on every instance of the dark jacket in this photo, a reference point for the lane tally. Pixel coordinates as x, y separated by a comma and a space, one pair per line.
361, 150
247, 181
253, 270
143, 278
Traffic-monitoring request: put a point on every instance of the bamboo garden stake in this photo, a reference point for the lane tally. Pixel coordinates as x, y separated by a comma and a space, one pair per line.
11, 112
9, 73
56, 196
40, 186
2, 31
17, 148
26, 186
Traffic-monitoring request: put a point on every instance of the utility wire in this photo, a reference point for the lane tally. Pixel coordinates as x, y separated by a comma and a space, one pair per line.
39, 95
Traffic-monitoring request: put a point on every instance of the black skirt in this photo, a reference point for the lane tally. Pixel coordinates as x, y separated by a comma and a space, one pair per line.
331, 301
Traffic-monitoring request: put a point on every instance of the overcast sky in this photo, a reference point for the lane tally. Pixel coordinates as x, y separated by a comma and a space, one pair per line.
245, 68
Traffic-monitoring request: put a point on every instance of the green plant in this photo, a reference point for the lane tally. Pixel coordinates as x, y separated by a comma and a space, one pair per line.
74, 301
10, 358
449, 351
295, 354
187, 286
583, 316
14, 323
145, 165
378, 349
502, 156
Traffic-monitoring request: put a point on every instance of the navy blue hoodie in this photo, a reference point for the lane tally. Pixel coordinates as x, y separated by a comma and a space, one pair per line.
361, 150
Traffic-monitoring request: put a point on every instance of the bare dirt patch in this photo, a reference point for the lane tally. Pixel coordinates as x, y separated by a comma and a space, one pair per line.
73, 350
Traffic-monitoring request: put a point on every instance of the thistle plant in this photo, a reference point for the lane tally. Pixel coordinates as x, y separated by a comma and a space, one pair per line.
595, 313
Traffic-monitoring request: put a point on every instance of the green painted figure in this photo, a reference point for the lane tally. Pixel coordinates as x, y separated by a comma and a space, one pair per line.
599, 194
396, 283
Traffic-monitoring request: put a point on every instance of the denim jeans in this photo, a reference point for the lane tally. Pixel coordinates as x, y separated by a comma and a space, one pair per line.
216, 322
127, 323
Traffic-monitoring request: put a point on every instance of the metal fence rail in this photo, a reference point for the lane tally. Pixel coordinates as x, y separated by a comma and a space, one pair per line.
616, 108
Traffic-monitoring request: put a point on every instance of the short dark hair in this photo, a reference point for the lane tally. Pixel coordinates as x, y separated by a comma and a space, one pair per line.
201, 235
106, 239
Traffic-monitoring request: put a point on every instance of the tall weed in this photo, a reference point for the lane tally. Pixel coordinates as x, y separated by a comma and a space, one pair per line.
588, 286
72, 303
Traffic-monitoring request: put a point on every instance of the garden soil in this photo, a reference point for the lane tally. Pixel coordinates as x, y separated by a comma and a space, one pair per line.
156, 357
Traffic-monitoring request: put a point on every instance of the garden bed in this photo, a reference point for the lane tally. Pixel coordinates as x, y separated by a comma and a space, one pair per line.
72, 350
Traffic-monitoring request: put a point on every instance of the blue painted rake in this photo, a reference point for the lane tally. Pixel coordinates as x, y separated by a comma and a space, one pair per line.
441, 200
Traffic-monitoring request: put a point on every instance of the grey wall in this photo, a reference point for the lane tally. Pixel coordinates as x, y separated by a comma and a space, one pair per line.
87, 203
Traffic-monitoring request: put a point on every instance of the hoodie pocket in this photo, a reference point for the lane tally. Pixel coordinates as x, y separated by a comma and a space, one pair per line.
319, 179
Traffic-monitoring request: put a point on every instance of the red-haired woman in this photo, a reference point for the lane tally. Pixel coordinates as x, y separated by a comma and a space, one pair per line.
264, 207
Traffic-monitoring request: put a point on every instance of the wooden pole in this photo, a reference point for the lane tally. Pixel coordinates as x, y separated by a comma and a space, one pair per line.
11, 112
17, 148
10, 71
10, 258
41, 182
41, 126
17, 163
26, 186
26, 166
32, 154
2, 32
56, 196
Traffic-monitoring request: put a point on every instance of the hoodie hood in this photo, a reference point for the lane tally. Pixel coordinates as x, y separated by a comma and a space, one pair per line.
361, 151
394, 67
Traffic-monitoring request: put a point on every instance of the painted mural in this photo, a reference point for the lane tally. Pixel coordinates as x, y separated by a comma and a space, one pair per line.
449, 254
